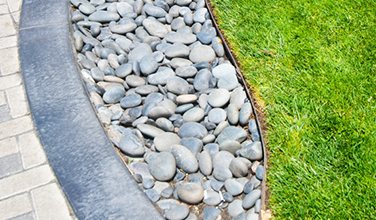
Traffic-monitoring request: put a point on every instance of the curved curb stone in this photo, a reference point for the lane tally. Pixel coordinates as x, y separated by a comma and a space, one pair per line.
94, 179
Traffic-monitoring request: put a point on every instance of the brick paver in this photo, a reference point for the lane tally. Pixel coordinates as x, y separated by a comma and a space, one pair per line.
28, 186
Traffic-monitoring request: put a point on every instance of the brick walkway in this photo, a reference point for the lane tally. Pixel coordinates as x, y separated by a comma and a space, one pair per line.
28, 187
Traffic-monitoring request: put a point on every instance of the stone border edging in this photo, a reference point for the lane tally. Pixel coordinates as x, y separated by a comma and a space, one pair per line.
94, 179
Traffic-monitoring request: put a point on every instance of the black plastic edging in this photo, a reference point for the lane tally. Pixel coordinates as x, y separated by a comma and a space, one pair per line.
241, 77
91, 174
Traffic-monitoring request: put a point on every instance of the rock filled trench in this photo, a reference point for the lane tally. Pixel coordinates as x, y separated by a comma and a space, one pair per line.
172, 104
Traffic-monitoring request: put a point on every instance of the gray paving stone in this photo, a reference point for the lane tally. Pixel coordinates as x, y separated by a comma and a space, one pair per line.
4, 113
10, 164
27, 216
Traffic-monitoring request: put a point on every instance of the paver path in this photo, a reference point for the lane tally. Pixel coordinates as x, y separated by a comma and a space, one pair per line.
28, 186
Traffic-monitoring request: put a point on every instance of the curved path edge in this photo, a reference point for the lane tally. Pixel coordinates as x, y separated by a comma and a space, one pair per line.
92, 175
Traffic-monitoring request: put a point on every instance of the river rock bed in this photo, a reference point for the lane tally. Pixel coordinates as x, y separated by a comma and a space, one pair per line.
172, 104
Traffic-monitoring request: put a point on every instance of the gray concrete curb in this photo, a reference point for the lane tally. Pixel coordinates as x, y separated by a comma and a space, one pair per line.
94, 179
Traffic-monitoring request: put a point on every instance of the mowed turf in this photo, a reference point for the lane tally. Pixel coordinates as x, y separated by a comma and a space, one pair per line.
312, 65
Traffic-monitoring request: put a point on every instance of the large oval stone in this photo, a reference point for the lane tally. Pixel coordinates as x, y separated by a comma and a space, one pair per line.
252, 151
131, 145
177, 85
155, 28
184, 38
184, 158
192, 129
218, 98
202, 53
232, 133
251, 198
130, 101
194, 115
164, 141
149, 130
104, 16
162, 166
114, 95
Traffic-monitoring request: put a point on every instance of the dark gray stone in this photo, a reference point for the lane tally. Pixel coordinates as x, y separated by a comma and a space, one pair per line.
210, 213
233, 187
186, 71
123, 70
249, 186
260, 172
167, 193
154, 11
177, 85
194, 115
148, 65
193, 144
114, 95
192, 129
216, 185
230, 146
130, 101
218, 46
165, 124
152, 195
177, 23
140, 51
184, 38
204, 38
147, 183
222, 158
199, 15
202, 53
250, 199
179, 176
201, 80
135, 81
232, 133
222, 173
217, 115
228, 82
223, 70
212, 149
228, 197
146, 89
149, 130
131, 145
232, 114
123, 28
218, 98
238, 167
184, 158
162, 166
161, 76
252, 151
183, 108
245, 114
104, 16
235, 208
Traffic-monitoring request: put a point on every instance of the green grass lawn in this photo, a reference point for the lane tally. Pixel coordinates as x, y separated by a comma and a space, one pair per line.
312, 65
